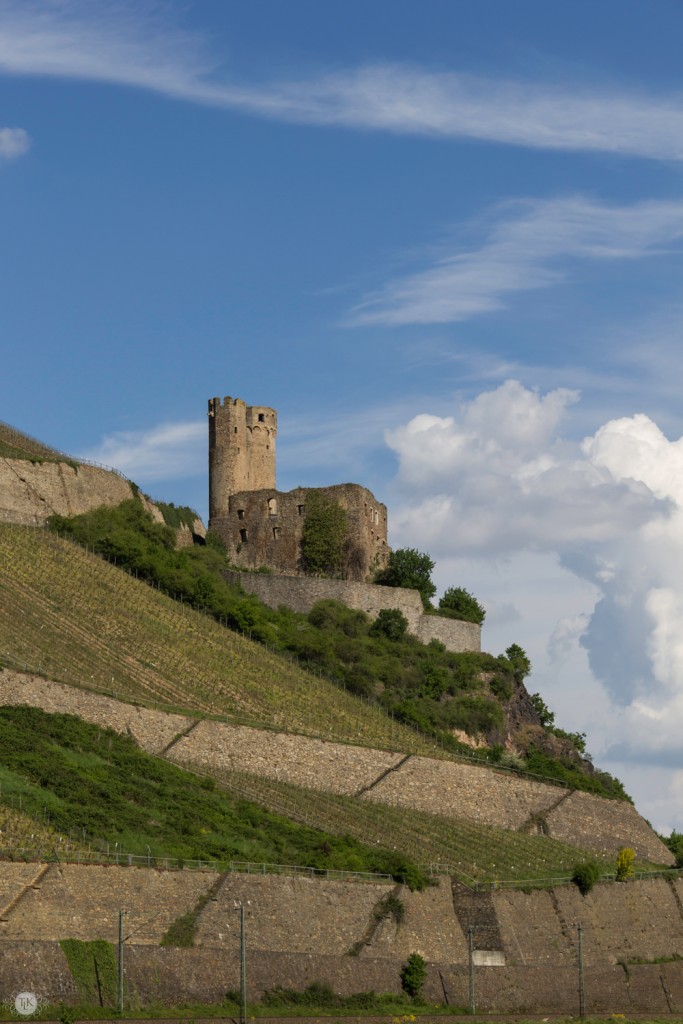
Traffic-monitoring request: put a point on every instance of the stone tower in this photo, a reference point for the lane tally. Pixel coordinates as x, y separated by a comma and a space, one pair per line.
241, 450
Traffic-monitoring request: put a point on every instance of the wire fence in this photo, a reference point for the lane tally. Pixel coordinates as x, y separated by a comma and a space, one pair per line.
120, 858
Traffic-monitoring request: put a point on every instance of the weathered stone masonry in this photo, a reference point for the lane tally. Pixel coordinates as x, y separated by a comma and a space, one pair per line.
447, 788
262, 526
300, 593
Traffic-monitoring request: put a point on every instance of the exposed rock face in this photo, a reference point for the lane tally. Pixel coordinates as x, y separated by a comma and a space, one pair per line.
31, 492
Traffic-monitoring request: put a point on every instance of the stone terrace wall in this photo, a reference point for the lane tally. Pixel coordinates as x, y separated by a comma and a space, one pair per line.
315, 764
79, 901
153, 730
440, 787
464, 791
640, 921
579, 820
200, 974
13, 878
300, 593
621, 921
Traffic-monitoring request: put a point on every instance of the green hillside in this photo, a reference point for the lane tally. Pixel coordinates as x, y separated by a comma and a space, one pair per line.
16, 445
97, 785
75, 618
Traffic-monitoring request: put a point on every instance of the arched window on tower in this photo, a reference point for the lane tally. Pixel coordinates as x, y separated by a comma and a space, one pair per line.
272, 506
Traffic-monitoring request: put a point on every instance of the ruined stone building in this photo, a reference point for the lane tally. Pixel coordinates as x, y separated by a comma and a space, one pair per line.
262, 526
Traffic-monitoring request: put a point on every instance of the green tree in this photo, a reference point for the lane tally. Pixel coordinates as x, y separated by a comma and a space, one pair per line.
545, 715
414, 975
521, 666
675, 844
409, 568
324, 535
462, 605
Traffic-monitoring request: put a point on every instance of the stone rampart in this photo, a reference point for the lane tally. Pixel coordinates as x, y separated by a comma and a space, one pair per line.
483, 795
300, 593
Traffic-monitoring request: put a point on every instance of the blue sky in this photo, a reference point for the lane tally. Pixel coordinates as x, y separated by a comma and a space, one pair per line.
444, 240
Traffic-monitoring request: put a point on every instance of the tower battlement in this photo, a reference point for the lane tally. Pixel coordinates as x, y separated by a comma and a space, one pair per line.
261, 526
241, 450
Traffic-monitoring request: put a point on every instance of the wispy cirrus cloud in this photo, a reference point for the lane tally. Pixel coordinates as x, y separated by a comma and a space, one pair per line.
14, 142
138, 45
167, 451
531, 245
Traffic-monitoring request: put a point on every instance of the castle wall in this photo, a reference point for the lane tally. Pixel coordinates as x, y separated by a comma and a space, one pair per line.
300, 593
264, 528
241, 450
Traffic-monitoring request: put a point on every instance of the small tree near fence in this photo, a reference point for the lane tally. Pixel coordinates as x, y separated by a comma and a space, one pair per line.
414, 975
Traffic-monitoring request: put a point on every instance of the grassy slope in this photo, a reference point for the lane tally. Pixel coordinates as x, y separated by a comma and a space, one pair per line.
93, 781
16, 445
77, 619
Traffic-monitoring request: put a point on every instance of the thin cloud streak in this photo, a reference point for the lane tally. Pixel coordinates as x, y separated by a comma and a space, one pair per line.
165, 452
531, 247
134, 46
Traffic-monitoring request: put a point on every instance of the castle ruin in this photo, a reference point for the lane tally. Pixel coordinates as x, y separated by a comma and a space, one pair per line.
261, 526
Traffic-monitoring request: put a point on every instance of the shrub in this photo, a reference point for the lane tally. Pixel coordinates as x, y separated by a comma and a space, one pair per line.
625, 859
390, 906
585, 875
391, 623
462, 605
324, 533
414, 975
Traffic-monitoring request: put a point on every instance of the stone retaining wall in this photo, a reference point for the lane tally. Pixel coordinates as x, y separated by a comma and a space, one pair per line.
79, 901
579, 820
302, 930
181, 976
300, 593
465, 791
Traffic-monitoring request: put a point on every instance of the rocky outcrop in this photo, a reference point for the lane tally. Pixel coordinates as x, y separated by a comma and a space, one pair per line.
30, 492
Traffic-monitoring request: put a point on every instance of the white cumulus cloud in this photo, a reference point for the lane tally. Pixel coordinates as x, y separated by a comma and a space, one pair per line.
501, 483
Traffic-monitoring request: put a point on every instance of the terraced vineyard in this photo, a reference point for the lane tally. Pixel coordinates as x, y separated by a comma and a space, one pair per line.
473, 852
74, 618
16, 445
19, 831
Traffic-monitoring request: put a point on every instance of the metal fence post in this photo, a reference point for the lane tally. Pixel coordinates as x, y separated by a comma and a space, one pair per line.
470, 957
